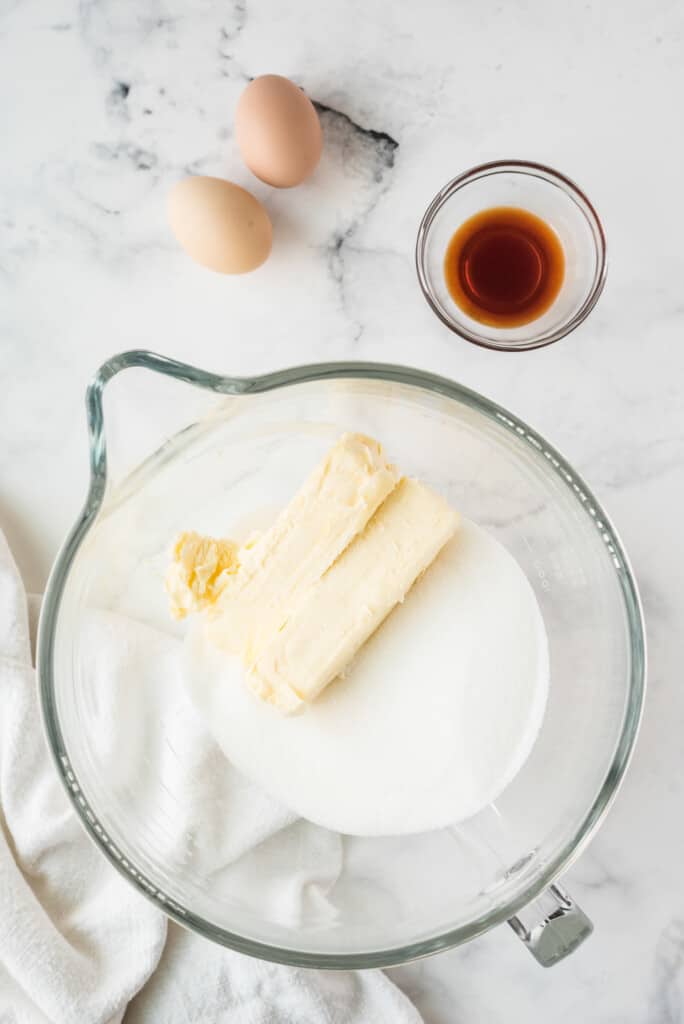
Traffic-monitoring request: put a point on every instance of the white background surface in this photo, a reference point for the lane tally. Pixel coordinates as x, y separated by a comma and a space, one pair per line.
104, 104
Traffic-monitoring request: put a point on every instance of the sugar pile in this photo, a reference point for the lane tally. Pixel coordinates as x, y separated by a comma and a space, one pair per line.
431, 722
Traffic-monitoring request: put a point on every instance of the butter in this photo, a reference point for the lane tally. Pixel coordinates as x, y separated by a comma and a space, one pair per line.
330, 509
199, 572
296, 602
321, 634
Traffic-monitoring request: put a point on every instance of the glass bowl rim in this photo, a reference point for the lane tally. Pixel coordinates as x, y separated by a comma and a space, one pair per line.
549, 175
258, 385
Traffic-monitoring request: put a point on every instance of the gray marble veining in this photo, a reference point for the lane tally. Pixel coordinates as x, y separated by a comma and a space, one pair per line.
104, 104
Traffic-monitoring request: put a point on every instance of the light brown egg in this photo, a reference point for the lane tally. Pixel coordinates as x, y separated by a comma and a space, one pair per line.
221, 225
278, 131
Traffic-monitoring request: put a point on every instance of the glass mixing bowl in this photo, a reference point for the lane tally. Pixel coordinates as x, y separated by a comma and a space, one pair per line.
158, 806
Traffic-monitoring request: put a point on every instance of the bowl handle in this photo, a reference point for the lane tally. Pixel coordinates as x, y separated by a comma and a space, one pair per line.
552, 926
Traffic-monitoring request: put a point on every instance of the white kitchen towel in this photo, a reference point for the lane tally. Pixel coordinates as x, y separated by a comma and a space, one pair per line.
76, 941
200, 984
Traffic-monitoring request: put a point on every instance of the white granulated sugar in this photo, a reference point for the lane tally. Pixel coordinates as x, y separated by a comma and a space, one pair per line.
433, 719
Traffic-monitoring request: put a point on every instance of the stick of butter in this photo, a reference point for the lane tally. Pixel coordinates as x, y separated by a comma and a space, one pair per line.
322, 632
330, 509
297, 602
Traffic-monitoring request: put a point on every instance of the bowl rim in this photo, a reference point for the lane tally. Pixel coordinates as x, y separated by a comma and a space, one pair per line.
258, 385
550, 176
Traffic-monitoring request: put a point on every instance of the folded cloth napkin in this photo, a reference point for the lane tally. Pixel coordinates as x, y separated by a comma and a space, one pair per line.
76, 941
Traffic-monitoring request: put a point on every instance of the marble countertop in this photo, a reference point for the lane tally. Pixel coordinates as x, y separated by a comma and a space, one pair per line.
104, 104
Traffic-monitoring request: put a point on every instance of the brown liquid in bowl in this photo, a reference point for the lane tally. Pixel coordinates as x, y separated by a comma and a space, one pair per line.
504, 266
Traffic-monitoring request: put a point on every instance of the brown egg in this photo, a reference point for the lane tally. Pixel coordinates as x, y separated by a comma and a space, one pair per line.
278, 131
221, 225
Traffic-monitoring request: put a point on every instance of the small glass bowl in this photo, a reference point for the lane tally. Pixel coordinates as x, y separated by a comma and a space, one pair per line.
549, 195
